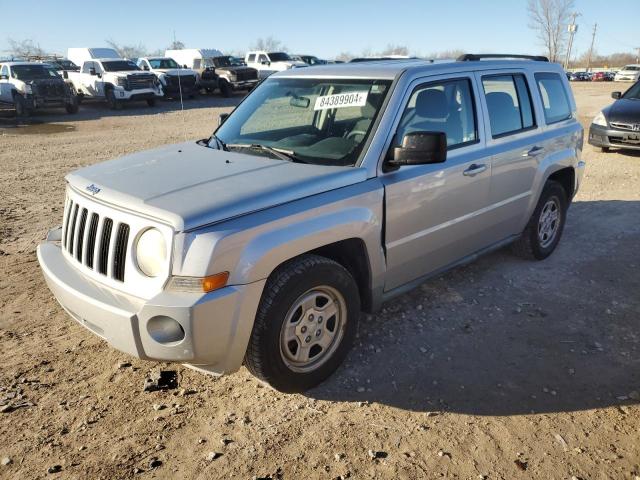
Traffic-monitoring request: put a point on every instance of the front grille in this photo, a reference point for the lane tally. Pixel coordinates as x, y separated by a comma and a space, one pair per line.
243, 76
624, 141
185, 81
94, 242
625, 126
49, 90
136, 82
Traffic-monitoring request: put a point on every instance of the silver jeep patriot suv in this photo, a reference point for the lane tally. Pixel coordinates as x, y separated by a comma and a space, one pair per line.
326, 192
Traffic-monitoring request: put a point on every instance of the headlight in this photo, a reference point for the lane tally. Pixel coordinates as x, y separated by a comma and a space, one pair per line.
151, 252
600, 120
122, 81
27, 89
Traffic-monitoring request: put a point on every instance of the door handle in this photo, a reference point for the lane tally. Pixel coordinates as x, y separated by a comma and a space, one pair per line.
533, 152
474, 169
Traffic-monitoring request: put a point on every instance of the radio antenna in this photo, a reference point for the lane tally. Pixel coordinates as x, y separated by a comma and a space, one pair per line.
184, 126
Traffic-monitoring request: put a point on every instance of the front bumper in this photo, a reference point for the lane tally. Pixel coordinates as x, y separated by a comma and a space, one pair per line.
600, 136
216, 325
244, 84
137, 94
36, 101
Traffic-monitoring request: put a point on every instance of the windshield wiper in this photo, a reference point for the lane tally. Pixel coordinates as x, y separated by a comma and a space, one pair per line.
281, 153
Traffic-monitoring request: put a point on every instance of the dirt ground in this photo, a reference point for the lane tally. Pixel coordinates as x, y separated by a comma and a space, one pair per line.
503, 369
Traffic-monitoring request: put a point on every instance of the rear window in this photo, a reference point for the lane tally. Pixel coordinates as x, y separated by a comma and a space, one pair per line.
509, 104
554, 97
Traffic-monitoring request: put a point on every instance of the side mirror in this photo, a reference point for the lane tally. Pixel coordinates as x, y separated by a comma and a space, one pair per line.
65, 74
266, 62
145, 67
420, 148
616, 95
222, 118
92, 71
184, 66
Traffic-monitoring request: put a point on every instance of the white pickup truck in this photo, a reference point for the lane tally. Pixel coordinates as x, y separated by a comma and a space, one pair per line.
271, 62
115, 80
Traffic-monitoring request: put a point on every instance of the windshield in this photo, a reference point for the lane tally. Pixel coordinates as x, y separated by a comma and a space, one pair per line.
278, 57
632, 68
33, 72
163, 63
320, 121
66, 65
633, 93
222, 61
119, 66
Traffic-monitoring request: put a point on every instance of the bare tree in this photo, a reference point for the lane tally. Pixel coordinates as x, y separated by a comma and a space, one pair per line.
395, 50
128, 51
24, 48
176, 45
549, 18
269, 44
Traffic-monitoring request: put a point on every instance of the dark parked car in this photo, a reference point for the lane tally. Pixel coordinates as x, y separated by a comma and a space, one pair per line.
618, 125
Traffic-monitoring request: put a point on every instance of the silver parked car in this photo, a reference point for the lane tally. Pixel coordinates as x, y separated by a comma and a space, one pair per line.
327, 191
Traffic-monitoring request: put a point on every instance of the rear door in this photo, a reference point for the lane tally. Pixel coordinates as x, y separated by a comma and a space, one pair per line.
514, 143
435, 214
5, 86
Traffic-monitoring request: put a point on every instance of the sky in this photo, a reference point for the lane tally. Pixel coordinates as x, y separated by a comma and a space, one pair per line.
324, 28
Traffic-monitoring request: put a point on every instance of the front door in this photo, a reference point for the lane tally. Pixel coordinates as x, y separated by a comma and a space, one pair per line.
435, 214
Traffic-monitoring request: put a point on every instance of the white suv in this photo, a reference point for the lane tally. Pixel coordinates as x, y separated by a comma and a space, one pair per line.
628, 73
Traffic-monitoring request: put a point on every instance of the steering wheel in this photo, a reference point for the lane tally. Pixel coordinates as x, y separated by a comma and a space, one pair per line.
354, 133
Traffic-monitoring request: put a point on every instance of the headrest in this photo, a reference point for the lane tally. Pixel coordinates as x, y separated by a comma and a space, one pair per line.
498, 102
432, 103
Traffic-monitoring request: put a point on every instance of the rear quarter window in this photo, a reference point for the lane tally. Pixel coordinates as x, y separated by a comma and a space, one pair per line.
554, 97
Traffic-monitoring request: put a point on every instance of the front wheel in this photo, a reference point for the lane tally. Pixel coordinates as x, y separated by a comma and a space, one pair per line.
305, 324
113, 102
72, 107
225, 89
604, 149
21, 106
543, 232
151, 102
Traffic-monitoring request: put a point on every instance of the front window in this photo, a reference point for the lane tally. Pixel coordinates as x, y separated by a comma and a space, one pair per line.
279, 57
160, 63
633, 93
119, 66
318, 121
220, 62
33, 72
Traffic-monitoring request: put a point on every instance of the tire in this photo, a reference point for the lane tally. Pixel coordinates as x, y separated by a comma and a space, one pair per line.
113, 102
292, 291
21, 107
151, 102
604, 149
533, 243
72, 107
225, 89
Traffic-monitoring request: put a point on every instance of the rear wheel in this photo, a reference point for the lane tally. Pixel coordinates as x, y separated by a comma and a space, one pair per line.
543, 232
151, 102
305, 324
72, 106
604, 149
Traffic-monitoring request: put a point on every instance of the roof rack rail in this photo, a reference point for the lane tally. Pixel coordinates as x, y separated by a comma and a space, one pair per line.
473, 57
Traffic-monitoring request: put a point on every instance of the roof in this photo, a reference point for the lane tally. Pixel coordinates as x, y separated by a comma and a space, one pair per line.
390, 69
13, 63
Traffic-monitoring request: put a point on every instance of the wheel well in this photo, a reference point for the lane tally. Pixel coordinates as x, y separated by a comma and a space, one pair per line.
352, 255
566, 178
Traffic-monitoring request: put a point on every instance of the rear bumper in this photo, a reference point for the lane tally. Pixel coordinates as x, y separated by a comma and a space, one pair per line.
216, 325
606, 137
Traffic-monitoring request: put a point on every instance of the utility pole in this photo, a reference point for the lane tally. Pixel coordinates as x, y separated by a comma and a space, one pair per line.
572, 28
593, 39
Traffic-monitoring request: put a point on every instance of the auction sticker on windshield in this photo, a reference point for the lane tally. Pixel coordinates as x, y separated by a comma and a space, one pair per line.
341, 100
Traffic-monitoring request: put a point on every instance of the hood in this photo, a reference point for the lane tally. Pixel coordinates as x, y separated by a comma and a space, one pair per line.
624, 111
175, 72
288, 64
125, 73
188, 185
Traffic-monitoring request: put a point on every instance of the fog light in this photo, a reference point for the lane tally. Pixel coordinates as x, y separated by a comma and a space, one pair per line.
165, 329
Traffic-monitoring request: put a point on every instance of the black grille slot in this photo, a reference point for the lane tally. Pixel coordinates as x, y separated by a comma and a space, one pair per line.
66, 224
105, 241
120, 251
72, 231
83, 222
91, 239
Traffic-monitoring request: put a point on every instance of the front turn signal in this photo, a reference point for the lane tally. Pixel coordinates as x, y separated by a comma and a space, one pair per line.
199, 284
